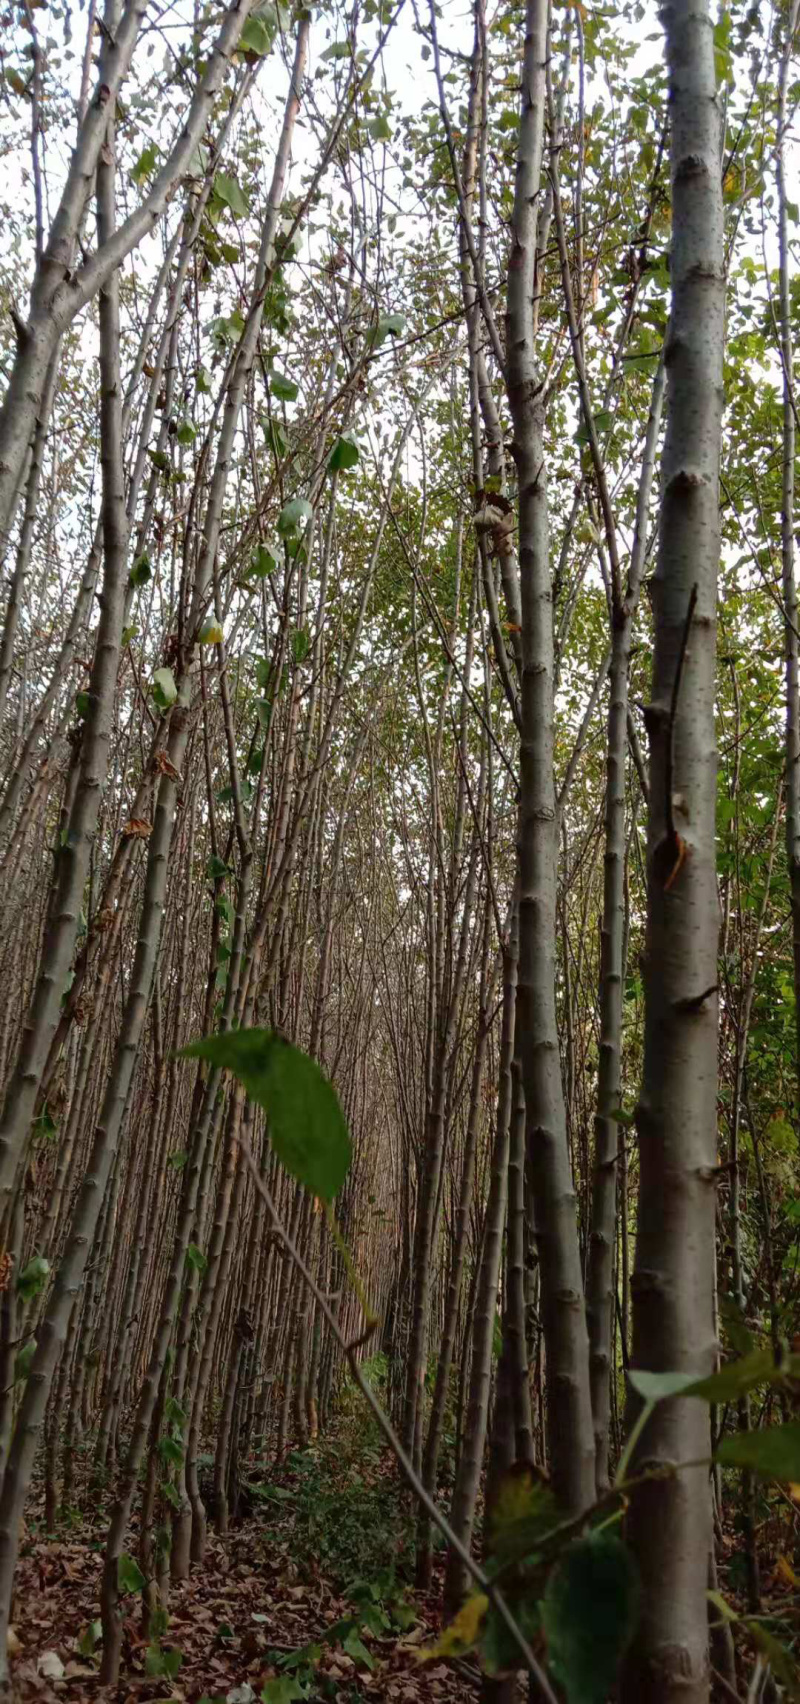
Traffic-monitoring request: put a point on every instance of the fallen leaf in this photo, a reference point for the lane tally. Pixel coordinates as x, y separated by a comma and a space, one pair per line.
50, 1666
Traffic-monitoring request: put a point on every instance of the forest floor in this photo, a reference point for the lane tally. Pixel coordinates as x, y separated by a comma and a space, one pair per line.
306, 1598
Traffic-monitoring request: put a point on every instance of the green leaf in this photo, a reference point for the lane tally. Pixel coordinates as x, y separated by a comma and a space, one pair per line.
172, 1661
83, 704
524, 1510
178, 1160
32, 1278
772, 1453
129, 1575
254, 761
159, 1621
170, 1493
194, 1255
264, 712
654, 1387
228, 191
23, 1361
160, 460
782, 1663
306, 1125
356, 1649
345, 453
217, 869
337, 50
736, 1378
284, 389
602, 420
301, 644
90, 1637
258, 34
262, 562
129, 633
202, 380
294, 516
732, 1380
145, 164
186, 433
141, 571
174, 1414
276, 438
154, 1660
163, 688
389, 325
211, 634
589, 1615
379, 128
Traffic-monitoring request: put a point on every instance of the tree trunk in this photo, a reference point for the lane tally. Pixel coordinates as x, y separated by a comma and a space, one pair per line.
673, 1320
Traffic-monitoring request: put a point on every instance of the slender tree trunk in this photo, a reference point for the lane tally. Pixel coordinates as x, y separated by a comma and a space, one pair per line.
788, 522
673, 1317
609, 1134
570, 1437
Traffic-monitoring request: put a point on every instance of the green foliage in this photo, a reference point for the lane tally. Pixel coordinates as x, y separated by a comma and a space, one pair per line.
345, 453
523, 1513
294, 517
90, 1638
589, 1614
163, 688
284, 389
33, 1277
23, 1360
230, 193
258, 33
141, 571
305, 1122
196, 1258
283, 1689
389, 325
773, 1452
170, 1450
301, 644
262, 562
159, 1661
129, 1575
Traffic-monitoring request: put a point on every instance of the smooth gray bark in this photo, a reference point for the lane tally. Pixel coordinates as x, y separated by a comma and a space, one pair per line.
673, 1314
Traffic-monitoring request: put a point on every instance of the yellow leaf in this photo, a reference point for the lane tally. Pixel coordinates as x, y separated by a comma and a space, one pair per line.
785, 1570
462, 1633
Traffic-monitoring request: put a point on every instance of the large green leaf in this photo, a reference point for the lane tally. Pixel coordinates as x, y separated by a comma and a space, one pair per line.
734, 1379
654, 1387
262, 562
129, 1575
345, 453
227, 190
293, 517
163, 688
589, 1615
773, 1452
258, 33
32, 1277
284, 389
306, 1124
389, 325
523, 1512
